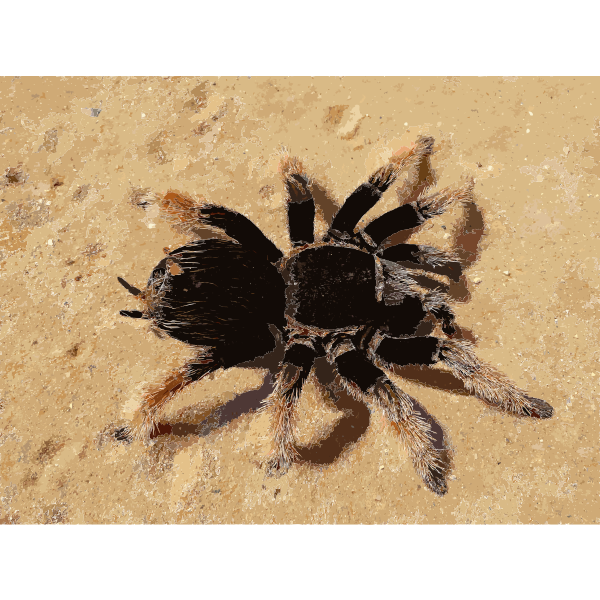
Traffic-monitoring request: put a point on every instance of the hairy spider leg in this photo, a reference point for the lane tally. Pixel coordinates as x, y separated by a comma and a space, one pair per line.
186, 212
403, 319
300, 202
295, 368
368, 194
405, 306
414, 214
426, 447
225, 355
436, 303
145, 421
426, 258
479, 378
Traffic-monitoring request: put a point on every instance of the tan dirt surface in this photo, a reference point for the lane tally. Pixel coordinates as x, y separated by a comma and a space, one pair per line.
72, 152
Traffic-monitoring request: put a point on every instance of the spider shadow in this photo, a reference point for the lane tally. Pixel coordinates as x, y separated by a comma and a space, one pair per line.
324, 201
354, 422
348, 430
468, 234
245, 403
350, 427
445, 381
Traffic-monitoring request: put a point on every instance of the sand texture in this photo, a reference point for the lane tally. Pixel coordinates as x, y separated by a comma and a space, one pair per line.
73, 151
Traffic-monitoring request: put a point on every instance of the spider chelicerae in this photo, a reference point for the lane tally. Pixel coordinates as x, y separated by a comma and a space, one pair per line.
348, 297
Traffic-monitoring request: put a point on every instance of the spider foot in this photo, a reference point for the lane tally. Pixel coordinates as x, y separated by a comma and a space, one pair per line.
433, 468
438, 203
277, 466
123, 434
538, 409
435, 480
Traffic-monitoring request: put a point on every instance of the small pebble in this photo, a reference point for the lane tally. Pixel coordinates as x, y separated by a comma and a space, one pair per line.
377, 498
477, 280
506, 272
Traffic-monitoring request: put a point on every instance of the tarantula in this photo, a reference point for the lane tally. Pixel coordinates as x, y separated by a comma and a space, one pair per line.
348, 298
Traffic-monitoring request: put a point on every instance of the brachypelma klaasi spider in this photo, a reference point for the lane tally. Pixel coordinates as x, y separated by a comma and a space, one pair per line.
347, 297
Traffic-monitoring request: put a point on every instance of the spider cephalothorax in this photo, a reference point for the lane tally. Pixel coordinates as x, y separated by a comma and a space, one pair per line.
348, 298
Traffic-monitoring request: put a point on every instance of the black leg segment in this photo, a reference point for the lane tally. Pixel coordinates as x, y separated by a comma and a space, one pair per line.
399, 219
414, 214
423, 441
356, 205
481, 379
241, 229
184, 210
300, 203
366, 195
296, 366
301, 210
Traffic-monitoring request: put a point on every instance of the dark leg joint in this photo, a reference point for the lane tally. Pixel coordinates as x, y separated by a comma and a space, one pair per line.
300, 355
356, 205
409, 351
354, 367
301, 217
399, 219
123, 435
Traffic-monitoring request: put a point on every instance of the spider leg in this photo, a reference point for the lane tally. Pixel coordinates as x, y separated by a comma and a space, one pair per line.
425, 258
229, 352
367, 195
405, 305
145, 420
295, 368
481, 379
426, 448
435, 303
300, 204
185, 212
414, 214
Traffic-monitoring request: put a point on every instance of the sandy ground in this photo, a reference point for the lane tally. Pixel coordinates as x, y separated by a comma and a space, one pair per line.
73, 150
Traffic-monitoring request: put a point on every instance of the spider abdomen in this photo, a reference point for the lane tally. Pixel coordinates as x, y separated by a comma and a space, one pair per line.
332, 287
